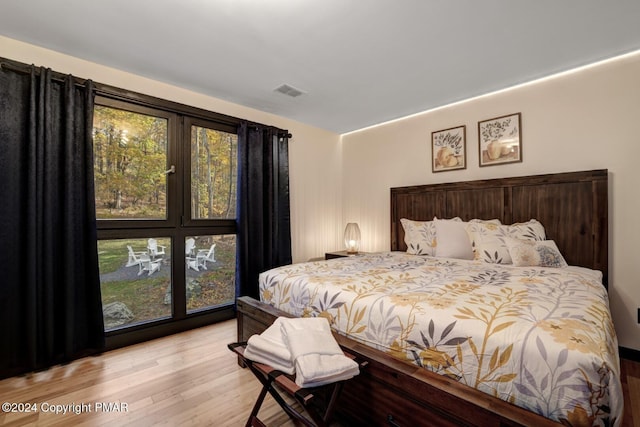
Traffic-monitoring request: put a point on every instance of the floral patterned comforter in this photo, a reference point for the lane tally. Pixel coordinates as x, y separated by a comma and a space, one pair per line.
541, 338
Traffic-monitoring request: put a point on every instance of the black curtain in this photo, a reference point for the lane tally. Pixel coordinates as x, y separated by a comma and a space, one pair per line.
50, 304
264, 224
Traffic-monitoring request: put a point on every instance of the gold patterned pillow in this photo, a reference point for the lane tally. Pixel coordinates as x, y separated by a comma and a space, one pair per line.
488, 238
420, 236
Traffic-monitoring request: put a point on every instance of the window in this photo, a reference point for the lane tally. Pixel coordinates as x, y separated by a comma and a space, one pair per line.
130, 156
135, 282
213, 173
165, 187
210, 271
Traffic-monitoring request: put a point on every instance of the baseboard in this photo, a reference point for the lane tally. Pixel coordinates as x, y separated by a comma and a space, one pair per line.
629, 354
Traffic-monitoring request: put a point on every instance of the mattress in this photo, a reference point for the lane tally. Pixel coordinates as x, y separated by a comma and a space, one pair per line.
540, 338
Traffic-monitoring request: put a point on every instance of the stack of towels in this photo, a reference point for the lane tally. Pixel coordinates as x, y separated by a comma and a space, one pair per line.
305, 347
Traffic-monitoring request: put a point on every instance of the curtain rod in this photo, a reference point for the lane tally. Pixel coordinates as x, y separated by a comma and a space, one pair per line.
281, 133
56, 76
99, 89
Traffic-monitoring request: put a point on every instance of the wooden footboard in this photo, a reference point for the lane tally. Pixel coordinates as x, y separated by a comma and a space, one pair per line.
391, 392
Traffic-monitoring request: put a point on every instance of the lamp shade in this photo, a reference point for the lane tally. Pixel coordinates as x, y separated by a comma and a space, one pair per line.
352, 237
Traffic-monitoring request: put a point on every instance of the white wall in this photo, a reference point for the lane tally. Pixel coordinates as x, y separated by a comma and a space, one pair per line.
578, 121
314, 154
587, 119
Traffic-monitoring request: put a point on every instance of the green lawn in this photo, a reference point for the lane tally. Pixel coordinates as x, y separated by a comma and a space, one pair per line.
112, 254
145, 295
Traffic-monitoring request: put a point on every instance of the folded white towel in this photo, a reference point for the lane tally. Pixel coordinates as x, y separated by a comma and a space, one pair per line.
309, 336
269, 348
315, 370
317, 356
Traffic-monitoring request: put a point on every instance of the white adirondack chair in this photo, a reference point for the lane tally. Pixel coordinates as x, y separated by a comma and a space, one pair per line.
134, 257
143, 261
205, 255
155, 250
149, 265
189, 249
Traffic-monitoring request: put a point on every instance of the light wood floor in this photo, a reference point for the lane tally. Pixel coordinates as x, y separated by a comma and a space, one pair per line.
185, 379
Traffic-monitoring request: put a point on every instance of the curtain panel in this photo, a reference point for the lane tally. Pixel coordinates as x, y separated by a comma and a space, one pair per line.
264, 224
50, 305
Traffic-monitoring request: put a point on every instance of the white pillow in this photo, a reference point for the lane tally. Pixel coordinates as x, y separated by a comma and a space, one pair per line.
453, 240
528, 253
488, 239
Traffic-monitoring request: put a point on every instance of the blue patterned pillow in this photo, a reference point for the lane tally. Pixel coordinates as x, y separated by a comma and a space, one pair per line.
528, 253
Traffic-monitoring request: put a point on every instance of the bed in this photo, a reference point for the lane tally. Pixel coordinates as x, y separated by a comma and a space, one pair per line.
470, 341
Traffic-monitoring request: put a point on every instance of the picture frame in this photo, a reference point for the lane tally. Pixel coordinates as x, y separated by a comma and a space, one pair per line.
449, 149
500, 140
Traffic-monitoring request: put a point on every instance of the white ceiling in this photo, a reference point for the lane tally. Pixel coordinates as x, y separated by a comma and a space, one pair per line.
359, 62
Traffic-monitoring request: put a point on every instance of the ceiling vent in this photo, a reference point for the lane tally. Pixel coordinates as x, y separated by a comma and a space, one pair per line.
289, 90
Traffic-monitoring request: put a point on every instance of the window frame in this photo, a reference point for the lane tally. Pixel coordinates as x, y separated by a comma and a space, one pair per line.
177, 224
187, 220
172, 214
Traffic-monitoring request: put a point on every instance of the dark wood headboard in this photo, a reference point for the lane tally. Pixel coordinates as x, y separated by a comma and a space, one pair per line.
572, 207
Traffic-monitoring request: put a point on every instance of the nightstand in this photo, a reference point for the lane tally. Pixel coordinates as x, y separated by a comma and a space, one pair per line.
340, 254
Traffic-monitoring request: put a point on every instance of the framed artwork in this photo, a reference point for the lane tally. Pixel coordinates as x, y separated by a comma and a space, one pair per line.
500, 140
449, 149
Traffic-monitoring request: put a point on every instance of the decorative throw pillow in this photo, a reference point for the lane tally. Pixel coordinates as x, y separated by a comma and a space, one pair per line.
528, 253
476, 229
453, 240
420, 237
488, 239
476, 225
530, 230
